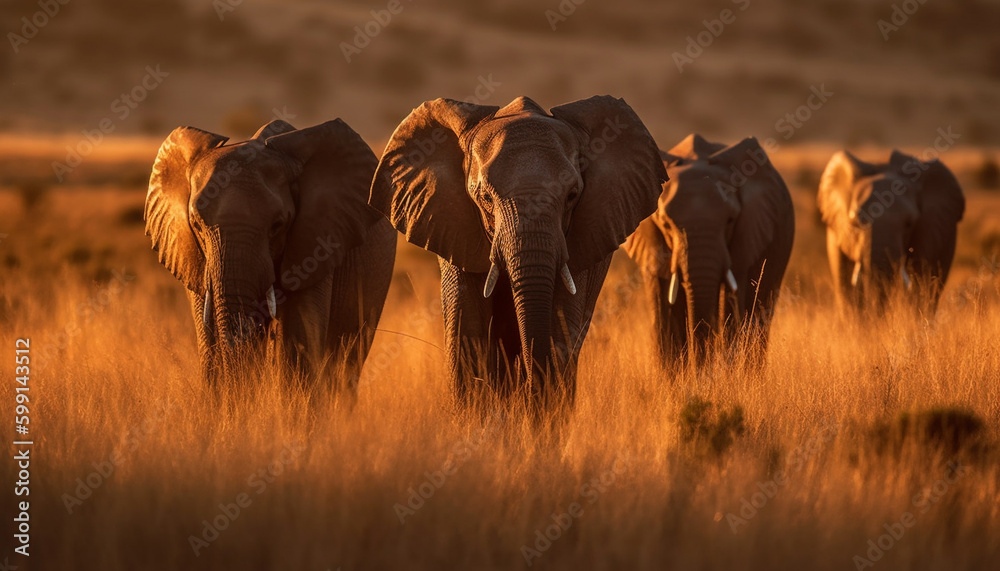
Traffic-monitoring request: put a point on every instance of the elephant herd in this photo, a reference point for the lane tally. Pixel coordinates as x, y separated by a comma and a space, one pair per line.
286, 242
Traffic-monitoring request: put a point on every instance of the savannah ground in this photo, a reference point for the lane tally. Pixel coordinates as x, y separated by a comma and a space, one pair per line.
649, 471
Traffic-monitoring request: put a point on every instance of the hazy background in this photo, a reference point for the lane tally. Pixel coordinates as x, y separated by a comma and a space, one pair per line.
941, 68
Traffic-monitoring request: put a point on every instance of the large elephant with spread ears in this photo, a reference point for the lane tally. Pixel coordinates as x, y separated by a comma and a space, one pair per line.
714, 253
524, 208
889, 225
276, 244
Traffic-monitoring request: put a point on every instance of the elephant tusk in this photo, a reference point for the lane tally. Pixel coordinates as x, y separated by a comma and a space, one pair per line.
672, 292
731, 280
906, 278
567, 279
206, 316
272, 305
491, 280
856, 274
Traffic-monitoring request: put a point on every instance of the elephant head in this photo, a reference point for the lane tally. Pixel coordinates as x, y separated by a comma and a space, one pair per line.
245, 225
724, 215
536, 196
887, 220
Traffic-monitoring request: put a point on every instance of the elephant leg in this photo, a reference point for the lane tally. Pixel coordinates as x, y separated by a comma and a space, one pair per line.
358, 291
657, 291
572, 319
206, 340
767, 274
669, 321
467, 315
849, 296
505, 352
299, 338
842, 269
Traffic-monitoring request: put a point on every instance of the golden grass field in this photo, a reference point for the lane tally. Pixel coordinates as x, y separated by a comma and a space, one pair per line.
654, 470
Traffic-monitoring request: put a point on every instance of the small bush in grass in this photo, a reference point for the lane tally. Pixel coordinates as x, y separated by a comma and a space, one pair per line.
32, 194
709, 427
947, 430
132, 216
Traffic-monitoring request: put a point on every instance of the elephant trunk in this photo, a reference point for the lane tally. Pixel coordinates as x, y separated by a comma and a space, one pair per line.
239, 317
236, 309
703, 307
705, 273
887, 261
532, 259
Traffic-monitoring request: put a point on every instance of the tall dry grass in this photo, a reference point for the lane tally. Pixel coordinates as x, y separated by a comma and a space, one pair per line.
650, 466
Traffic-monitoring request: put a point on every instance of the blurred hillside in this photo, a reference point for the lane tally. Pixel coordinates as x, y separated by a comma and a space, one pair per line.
232, 63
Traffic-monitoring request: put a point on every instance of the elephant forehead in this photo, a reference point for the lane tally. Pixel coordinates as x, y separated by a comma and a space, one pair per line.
248, 170
698, 195
697, 184
888, 188
237, 162
525, 149
522, 132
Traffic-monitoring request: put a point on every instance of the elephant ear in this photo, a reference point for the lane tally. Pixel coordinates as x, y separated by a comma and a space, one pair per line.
942, 206
765, 203
836, 186
334, 167
420, 183
670, 160
622, 172
647, 247
693, 148
271, 129
167, 204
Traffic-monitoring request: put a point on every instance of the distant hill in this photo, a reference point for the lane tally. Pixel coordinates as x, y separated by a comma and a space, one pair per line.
232, 63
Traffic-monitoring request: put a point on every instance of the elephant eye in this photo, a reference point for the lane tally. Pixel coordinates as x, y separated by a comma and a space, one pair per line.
487, 201
276, 227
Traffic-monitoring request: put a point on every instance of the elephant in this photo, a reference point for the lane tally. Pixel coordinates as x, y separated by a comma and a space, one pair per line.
276, 246
714, 253
515, 200
889, 225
